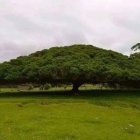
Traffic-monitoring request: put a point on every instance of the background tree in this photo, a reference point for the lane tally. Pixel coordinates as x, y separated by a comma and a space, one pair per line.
136, 47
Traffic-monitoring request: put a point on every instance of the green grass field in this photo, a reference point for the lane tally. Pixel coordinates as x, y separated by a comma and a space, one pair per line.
52, 115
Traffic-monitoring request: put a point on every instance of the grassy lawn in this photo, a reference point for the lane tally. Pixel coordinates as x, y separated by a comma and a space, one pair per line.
93, 115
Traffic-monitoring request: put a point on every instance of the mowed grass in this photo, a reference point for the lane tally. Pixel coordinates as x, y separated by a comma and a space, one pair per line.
93, 115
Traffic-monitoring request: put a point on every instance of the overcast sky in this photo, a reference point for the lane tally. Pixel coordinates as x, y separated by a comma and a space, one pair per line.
30, 25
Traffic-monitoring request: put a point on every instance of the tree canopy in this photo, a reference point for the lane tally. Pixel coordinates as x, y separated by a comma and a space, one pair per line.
76, 64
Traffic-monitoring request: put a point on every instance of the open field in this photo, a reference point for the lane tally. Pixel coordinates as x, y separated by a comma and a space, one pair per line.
52, 115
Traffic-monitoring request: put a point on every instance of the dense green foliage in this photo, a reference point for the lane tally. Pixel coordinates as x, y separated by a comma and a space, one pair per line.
75, 64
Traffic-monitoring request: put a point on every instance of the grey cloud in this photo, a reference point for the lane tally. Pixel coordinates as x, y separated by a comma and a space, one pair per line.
27, 26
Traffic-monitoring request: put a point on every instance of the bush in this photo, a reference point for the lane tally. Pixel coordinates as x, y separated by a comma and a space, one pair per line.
31, 87
45, 87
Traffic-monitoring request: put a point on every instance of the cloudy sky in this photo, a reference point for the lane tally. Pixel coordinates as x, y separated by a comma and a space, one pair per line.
30, 25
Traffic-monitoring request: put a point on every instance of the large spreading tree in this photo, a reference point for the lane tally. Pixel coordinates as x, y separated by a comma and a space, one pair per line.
76, 65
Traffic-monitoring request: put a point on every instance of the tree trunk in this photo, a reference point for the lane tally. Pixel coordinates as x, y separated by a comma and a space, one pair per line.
75, 89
